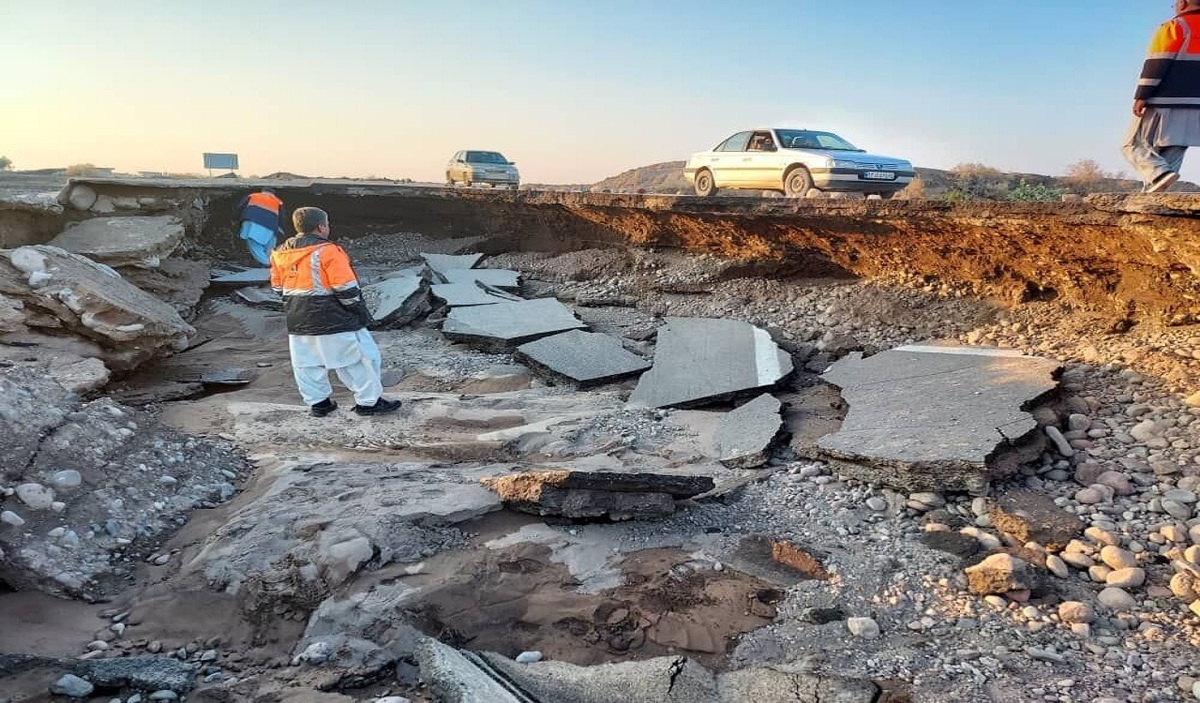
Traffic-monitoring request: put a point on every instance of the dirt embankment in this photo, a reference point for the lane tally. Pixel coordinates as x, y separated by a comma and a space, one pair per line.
1128, 256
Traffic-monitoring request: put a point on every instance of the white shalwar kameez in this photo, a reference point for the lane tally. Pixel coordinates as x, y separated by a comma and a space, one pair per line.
353, 356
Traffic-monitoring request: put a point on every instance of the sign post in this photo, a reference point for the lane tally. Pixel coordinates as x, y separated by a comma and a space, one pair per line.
228, 162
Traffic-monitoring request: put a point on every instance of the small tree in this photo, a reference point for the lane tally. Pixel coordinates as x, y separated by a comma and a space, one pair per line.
5, 163
975, 181
1086, 173
81, 169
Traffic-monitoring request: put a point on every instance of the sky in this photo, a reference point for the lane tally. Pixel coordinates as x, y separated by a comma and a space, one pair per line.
572, 91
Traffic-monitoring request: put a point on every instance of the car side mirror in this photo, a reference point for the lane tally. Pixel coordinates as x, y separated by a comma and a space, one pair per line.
512, 163
460, 161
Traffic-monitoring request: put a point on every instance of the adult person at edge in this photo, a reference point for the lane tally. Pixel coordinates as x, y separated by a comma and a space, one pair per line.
1166, 106
259, 215
326, 319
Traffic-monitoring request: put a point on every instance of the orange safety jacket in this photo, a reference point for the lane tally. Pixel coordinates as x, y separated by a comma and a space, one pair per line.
1171, 74
320, 291
262, 209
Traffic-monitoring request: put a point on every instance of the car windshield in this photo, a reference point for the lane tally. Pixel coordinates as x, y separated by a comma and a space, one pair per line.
485, 157
807, 139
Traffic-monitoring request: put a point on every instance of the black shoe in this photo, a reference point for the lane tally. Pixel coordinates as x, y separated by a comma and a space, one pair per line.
323, 408
380, 407
1164, 181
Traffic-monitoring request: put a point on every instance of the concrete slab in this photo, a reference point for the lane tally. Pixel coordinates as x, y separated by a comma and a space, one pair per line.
248, 277
439, 264
396, 301
455, 678
509, 324
123, 241
461, 295
262, 297
584, 357
497, 278
747, 433
701, 360
937, 418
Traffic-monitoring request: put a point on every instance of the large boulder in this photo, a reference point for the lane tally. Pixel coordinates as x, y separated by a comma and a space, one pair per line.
61, 292
92, 486
123, 241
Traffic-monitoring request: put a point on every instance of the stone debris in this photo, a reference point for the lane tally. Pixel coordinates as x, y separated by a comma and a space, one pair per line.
459, 295
123, 241
999, 574
700, 360
260, 297
439, 264
396, 302
775, 561
587, 358
937, 418
585, 494
364, 632
178, 282
492, 278
117, 322
1030, 516
746, 435
246, 277
143, 673
75, 528
509, 324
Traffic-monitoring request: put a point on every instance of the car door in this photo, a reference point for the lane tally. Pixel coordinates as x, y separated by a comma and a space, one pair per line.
453, 170
725, 160
760, 164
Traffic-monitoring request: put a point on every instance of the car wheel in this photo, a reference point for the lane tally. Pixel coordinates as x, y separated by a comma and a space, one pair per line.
449, 179
887, 194
797, 182
706, 185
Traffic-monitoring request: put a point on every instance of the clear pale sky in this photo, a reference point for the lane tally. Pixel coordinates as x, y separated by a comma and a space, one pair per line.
572, 91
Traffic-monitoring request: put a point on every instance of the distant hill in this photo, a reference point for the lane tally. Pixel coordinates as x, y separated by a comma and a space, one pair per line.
966, 182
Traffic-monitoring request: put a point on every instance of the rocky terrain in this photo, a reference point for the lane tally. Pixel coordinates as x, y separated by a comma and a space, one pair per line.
519, 533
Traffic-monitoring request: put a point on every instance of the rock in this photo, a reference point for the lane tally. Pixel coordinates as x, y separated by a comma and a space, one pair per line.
1126, 578
72, 686
469, 294
1057, 566
493, 278
308, 531
1076, 612
865, 628
367, 631
578, 494
1030, 516
1117, 481
94, 302
122, 444
392, 699
1185, 586
528, 657
704, 360
927, 418
1060, 443
146, 673
164, 695
509, 324
586, 358
998, 574
8, 517
1177, 510
1117, 600
1193, 401
77, 196
450, 676
439, 264
1145, 431
123, 241
1117, 558
746, 435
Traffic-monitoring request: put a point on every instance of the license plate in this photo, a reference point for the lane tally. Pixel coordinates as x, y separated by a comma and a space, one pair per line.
879, 176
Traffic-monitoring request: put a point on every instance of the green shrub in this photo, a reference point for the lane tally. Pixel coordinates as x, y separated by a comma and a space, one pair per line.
1035, 193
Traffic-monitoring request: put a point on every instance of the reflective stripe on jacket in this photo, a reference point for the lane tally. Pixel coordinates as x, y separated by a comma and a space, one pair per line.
320, 291
262, 209
1171, 74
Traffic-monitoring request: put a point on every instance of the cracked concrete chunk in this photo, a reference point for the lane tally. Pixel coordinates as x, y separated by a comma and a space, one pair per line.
700, 359
747, 433
455, 678
776, 562
587, 494
496, 278
658, 680
260, 297
937, 418
248, 277
458, 295
584, 357
367, 630
508, 324
761, 683
439, 264
1033, 517
123, 241
395, 302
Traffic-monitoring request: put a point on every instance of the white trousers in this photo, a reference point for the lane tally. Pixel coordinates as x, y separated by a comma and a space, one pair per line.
353, 356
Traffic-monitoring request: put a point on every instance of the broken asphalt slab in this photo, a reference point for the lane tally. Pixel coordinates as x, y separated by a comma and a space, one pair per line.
496, 278
937, 418
146, 673
395, 302
746, 434
587, 494
509, 324
584, 357
467, 294
439, 264
248, 277
123, 241
699, 360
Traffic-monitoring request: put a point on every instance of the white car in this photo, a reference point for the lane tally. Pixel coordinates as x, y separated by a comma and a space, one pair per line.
490, 167
793, 162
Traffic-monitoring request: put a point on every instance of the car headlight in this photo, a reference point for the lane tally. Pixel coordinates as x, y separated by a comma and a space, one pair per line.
839, 163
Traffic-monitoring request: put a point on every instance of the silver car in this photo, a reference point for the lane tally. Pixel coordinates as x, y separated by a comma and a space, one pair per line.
793, 162
469, 167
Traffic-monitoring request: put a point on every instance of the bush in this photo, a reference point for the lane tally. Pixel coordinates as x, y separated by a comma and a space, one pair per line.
5, 163
1036, 193
81, 169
